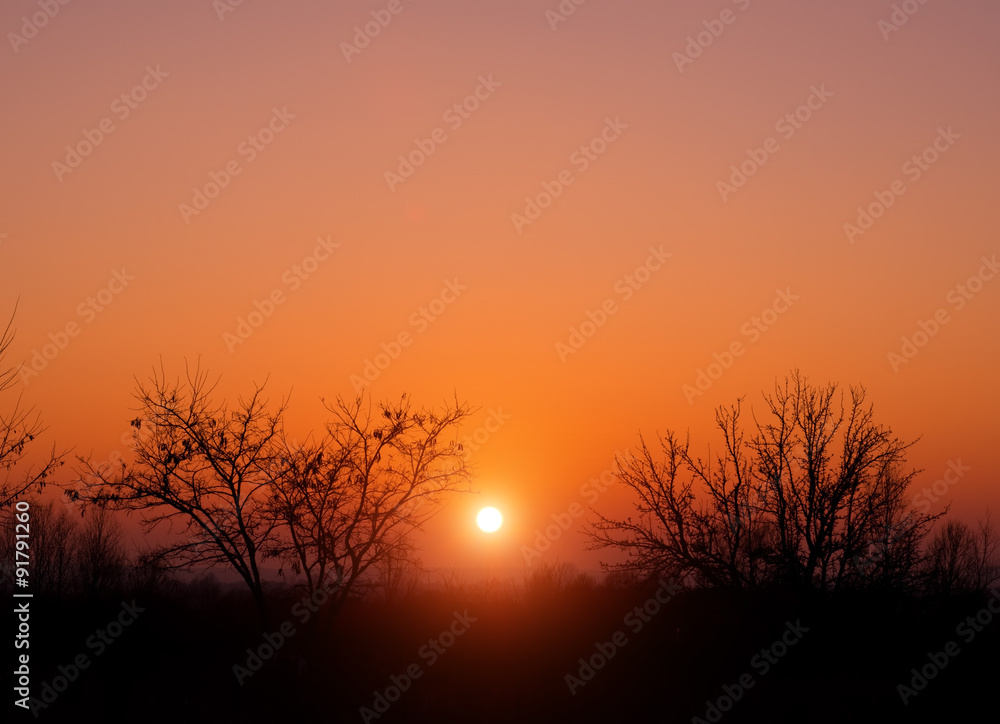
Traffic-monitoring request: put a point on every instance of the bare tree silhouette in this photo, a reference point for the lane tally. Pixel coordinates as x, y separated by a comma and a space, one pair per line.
101, 555
53, 547
812, 496
18, 427
544, 582
399, 573
962, 559
70, 559
349, 501
203, 466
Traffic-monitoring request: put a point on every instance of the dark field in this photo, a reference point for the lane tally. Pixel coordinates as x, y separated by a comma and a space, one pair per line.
505, 655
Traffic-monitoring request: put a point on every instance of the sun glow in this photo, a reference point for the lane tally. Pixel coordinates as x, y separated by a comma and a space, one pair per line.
489, 520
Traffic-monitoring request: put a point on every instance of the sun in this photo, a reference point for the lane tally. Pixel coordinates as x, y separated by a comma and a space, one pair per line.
489, 520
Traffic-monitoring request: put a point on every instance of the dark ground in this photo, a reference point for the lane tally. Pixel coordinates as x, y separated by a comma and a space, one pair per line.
175, 662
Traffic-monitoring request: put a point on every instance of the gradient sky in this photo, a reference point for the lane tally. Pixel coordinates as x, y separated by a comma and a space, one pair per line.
888, 95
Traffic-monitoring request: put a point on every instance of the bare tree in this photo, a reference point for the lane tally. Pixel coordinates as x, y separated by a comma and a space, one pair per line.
202, 471
399, 572
812, 495
987, 568
101, 556
149, 575
19, 426
309, 490
348, 503
53, 543
962, 559
548, 581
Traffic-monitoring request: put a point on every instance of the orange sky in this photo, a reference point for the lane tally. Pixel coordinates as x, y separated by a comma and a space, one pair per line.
533, 102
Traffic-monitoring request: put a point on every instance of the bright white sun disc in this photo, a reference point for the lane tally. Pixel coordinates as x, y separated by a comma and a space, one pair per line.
489, 519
